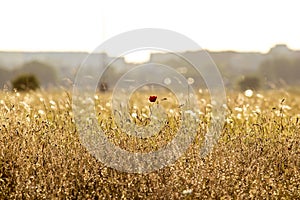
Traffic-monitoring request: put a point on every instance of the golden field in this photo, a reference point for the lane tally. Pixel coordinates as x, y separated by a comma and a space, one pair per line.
256, 157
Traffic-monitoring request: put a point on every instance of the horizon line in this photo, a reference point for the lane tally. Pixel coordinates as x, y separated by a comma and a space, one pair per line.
88, 52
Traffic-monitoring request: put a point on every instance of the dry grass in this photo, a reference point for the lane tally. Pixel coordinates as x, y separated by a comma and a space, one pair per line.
258, 154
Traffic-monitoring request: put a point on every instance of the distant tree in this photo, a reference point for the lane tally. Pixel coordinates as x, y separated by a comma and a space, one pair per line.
5, 77
109, 78
281, 68
103, 86
45, 73
249, 82
25, 82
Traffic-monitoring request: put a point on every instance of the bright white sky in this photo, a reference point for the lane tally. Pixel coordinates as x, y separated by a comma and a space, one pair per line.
57, 25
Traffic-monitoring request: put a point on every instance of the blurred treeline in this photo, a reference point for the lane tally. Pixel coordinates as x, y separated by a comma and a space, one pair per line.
272, 73
46, 74
280, 71
241, 71
279, 68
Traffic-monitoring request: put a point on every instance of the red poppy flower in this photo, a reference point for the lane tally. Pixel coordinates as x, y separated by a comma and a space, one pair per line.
152, 98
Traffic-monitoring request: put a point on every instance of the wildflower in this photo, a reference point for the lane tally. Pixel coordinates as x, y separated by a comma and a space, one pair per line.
286, 107
190, 80
248, 93
260, 96
134, 115
52, 102
41, 112
238, 109
188, 191
190, 112
152, 98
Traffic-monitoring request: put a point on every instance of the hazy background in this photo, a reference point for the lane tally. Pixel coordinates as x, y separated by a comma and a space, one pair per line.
51, 38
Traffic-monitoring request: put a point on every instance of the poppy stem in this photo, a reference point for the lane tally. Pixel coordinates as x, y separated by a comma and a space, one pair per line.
150, 108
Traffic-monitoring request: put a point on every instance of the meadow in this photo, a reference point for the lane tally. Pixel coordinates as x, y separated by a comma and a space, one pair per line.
256, 157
